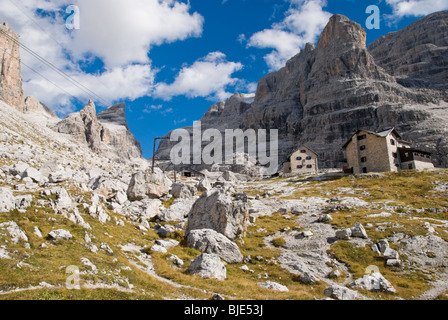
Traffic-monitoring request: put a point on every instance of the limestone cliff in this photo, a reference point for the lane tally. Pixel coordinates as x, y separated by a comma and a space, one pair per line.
10, 77
326, 92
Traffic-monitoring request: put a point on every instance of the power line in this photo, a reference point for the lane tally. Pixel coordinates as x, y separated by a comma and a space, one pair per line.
49, 34
44, 77
59, 71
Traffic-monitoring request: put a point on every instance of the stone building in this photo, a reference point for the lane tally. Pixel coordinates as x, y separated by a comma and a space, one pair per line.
368, 151
302, 161
10, 77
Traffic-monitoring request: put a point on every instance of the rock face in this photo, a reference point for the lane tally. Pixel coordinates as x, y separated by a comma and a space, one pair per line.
106, 133
10, 77
423, 45
326, 92
218, 210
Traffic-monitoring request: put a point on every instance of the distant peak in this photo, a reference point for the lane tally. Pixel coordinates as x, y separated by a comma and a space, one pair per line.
340, 30
115, 114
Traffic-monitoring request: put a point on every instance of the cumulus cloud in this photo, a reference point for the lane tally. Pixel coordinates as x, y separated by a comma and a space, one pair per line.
207, 77
403, 8
118, 33
304, 21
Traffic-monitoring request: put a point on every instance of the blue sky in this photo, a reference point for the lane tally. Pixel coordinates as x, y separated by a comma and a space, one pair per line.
170, 60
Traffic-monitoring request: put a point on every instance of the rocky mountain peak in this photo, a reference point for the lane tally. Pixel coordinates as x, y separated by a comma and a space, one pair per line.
418, 54
324, 93
115, 114
341, 31
106, 133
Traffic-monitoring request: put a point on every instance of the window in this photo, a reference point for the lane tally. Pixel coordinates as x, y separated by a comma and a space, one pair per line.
362, 148
309, 166
299, 167
395, 155
299, 158
302, 151
392, 142
364, 159
364, 170
363, 137
308, 158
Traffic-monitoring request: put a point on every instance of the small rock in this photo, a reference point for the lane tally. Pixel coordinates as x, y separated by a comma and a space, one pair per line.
393, 262
391, 254
7, 201
273, 286
344, 234
107, 248
308, 278
307, 234
325, 218
358, 231
60, 234
176, 260
158, 248
340, 293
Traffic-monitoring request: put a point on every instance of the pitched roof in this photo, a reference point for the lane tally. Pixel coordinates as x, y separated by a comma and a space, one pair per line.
300, 148
381, 134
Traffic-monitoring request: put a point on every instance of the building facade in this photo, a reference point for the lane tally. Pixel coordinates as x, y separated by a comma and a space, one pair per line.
302, 161
384, 151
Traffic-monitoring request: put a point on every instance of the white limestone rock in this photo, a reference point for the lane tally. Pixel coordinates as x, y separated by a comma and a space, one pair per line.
7, 200
210, 241
208, 266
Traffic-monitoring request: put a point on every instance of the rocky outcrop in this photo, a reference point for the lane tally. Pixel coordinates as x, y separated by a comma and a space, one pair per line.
328, 91
32, 105
106, 134
10, 77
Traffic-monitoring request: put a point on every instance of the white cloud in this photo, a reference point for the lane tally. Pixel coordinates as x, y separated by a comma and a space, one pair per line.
403, 8
207, 77
120, 33
303, 23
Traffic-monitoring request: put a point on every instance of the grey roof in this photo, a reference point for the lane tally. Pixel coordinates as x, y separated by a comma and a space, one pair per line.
381, 134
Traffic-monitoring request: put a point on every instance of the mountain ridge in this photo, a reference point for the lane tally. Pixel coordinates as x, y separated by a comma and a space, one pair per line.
327, 91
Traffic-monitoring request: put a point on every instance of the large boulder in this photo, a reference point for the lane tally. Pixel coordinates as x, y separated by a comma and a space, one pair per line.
204, 185
63, 200
183, 190
7, 201
208, 266
178, 211
34, 175
374, 282
210, 241
144, 185
218, 210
